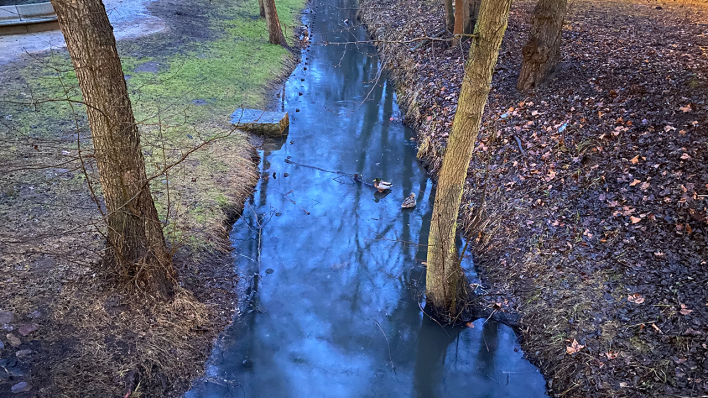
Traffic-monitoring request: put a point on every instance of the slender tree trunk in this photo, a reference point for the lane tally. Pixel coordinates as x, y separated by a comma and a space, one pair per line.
444, 278
462, 18
261, 6
449, 15
542, 52
275, 33
473, 6
136, 246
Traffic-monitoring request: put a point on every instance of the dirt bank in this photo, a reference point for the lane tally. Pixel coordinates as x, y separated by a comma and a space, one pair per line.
596, 186
67, 329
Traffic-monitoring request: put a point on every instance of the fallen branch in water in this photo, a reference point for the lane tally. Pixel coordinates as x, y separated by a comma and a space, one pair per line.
313, 167
355, 177
294, 202
390, 358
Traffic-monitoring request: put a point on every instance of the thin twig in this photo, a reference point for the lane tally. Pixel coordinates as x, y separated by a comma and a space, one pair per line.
390, 358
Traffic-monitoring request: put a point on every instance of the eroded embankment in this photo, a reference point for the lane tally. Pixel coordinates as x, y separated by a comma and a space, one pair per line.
68, 331
595, 186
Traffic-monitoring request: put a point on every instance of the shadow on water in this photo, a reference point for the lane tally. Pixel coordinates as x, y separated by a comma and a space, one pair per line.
332, 271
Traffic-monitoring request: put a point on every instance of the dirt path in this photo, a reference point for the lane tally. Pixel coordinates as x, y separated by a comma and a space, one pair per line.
597, 189
130, 19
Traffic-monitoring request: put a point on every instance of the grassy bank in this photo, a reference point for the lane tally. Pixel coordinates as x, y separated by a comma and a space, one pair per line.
596, 187
91, 339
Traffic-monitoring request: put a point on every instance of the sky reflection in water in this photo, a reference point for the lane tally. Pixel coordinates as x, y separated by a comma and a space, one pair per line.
336, 313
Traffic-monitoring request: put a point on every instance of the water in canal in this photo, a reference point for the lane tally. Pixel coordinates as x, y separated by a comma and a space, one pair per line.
334, 307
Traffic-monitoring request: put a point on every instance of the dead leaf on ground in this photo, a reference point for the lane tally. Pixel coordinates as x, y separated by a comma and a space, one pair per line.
635, 219
611, 355
635, 182
635, 298
685, 310
574, 347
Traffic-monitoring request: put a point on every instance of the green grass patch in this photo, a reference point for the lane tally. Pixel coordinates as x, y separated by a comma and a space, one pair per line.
184, 83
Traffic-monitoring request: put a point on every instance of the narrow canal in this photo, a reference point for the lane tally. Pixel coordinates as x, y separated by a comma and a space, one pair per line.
332, 270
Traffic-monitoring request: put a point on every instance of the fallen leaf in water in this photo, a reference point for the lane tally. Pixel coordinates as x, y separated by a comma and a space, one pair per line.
635, 298
685, 310
574, 347
611, 355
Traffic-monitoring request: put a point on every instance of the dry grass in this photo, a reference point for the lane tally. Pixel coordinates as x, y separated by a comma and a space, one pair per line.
93, 339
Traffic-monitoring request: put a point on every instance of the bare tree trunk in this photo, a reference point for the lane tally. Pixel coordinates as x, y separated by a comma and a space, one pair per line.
136, 243
275, 33
473, 6
542, 52
261, 6
462, 18
444, 278
449, 15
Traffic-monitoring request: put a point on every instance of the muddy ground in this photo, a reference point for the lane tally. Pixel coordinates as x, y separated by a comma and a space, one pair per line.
595, 224
68, 328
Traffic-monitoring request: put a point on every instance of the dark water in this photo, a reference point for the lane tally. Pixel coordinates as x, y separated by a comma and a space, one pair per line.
336, 300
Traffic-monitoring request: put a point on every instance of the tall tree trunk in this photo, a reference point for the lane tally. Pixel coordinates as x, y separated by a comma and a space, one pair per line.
542, 52
449, 15
261, 6
136, 246
275, 33
462, 18
473, 6
444, 278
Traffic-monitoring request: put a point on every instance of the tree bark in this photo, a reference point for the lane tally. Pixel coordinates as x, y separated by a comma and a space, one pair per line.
542, 51
444, 277
275, 33
449, 15
473, 8
462, 19
136, 245
261, 6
